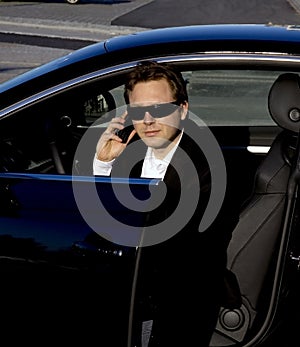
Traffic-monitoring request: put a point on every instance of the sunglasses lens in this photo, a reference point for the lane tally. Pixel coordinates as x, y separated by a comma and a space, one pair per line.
156, 111
163, 110
135, 113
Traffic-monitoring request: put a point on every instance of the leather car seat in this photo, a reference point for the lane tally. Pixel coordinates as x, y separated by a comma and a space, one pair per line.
253, 249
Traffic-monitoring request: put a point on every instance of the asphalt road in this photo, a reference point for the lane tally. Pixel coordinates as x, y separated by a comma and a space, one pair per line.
155, 13
164, 13
35, 32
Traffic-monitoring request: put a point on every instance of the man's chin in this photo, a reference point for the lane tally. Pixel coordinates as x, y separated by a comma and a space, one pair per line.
154, 142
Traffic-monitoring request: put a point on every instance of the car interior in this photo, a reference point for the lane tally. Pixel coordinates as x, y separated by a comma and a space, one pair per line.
43, 139
255, 250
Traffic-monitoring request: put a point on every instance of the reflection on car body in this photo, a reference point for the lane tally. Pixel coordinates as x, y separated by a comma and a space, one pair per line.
239, 79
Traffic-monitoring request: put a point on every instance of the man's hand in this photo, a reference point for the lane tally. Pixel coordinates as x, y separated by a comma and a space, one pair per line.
110, 145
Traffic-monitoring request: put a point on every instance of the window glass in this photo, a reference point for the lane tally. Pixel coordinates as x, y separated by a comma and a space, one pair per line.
237, 98
230, 97
217, 97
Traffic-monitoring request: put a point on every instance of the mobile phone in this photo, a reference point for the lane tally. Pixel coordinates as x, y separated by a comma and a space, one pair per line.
124, 133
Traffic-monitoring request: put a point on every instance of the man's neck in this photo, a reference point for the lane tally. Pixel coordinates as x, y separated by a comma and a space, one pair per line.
161, 153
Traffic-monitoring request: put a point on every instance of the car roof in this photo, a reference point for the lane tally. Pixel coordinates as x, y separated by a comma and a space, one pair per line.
151, 43
226, 33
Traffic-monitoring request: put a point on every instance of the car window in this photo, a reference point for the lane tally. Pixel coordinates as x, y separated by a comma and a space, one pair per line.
225, 97
230, 97
51, 129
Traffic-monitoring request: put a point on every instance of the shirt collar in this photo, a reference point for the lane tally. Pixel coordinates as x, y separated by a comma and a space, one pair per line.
156, 168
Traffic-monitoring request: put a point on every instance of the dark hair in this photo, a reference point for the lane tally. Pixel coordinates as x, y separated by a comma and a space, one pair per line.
153, 71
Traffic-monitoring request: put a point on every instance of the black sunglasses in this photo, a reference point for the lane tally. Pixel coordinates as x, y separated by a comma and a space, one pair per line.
156, 110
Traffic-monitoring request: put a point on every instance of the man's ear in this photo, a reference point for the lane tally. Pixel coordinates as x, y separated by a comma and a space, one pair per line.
184, 110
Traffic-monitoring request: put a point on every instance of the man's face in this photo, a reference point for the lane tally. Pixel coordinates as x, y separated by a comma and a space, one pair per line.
156, 132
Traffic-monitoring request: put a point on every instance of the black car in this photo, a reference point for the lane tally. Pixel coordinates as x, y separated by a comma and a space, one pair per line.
67, 260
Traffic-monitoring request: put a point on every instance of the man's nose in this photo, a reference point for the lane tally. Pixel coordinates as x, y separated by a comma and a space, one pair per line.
148, 119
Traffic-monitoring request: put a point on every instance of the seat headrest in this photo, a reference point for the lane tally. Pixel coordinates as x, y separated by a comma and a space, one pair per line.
284, 101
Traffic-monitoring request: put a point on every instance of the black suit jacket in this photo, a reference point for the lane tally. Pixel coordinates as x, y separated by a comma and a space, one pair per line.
188, 171
180, 281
